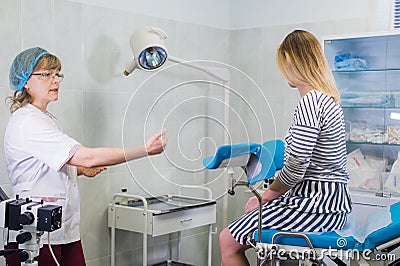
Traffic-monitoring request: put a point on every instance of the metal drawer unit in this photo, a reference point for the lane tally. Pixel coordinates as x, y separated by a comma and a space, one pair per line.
158, 216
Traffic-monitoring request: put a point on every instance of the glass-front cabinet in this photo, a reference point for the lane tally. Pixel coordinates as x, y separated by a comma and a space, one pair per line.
367, 72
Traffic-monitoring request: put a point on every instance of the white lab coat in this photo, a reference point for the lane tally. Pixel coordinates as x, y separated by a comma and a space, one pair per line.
36, 151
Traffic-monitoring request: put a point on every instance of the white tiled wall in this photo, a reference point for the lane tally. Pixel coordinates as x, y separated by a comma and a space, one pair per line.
100, 107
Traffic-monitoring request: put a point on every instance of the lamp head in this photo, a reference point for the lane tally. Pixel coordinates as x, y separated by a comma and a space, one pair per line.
149, 49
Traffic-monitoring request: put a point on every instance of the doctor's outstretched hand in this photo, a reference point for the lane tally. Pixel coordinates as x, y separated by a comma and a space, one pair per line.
156, 144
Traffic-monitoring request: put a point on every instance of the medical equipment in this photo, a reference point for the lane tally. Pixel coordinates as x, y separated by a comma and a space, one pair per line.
150, 52
157, 216
31, 219
315, 248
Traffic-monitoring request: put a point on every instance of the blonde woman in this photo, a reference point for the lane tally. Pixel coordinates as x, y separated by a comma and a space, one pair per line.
41, 157
310, 193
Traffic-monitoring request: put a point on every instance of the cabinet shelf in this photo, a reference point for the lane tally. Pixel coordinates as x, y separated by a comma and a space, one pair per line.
366, 70
384, 107
371, 143
373, 100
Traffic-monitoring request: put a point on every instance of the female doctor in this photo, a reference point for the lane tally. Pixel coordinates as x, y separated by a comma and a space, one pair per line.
43, 162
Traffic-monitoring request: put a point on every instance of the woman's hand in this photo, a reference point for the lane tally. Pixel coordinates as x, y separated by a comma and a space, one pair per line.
275, 190
251, 204
90, 171
156, 144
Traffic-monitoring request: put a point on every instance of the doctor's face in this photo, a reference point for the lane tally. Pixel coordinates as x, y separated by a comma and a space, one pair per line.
43, 86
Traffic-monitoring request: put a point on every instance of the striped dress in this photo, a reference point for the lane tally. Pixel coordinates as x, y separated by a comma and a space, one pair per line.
314, 169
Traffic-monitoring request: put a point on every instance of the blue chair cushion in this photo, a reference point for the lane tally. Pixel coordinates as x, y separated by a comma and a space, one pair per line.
229, 151
277, 148
336, 241
225, 152
319, 240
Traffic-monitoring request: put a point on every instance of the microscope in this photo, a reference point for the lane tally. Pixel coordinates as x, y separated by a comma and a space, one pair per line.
31, 219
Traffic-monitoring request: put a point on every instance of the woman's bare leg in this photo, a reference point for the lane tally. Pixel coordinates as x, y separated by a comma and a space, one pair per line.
232, 253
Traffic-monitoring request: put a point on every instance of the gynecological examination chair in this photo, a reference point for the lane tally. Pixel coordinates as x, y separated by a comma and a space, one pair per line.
371, 235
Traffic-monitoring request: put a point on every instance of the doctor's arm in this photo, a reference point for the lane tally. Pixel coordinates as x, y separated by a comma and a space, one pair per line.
95, 157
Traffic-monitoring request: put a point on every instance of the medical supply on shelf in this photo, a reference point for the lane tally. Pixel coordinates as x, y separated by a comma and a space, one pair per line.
365, 172
370, 99
365, 134
360, 132
392, 183
348, 60
393, 134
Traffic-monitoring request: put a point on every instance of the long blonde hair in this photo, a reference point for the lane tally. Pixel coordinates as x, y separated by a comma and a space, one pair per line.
21, 98
301, 60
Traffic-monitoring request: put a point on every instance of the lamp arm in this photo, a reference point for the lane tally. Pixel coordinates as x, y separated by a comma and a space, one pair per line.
195, 66
130, 67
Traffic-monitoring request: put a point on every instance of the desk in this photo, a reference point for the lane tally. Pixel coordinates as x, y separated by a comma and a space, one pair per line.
158, 216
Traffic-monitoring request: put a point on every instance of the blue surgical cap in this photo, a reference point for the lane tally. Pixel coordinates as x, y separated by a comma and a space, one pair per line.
22, 67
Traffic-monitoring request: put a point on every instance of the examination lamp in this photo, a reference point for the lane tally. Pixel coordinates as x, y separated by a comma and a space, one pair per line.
150, 52
148, 47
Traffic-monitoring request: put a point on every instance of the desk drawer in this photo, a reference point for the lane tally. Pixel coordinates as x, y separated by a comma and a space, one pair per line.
180, 220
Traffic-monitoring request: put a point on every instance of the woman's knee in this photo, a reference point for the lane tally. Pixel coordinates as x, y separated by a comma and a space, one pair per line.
227, 242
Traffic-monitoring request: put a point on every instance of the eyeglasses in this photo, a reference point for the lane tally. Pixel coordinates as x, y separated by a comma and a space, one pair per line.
47, 76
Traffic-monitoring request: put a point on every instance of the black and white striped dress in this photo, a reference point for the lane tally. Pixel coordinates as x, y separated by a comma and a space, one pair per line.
314, 169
